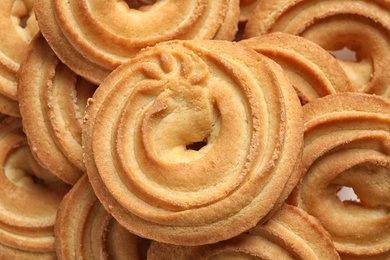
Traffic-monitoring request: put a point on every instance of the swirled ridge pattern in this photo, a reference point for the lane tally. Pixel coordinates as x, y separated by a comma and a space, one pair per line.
29, 198
94, 37
347, 145
13, 46
192, 141
53, 99
291, 233
360, 26
84, 229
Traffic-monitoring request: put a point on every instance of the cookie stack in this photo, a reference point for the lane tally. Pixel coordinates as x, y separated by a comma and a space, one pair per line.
194, 129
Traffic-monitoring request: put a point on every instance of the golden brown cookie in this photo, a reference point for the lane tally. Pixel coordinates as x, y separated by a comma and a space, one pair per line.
192, 142
347, 145
29, 198
52, 104
312, 70
85, 230
17, 27
361, 26
246, 8
290, 234
94, 37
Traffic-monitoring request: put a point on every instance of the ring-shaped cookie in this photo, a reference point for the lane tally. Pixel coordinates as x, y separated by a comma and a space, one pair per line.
84, 229
291, 233
29, 198
313, 72
347, 145
360, 26
15, 34
52, 104
246, 8
192, 142
94, 37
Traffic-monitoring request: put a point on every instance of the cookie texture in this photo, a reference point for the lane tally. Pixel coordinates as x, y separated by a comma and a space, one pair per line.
85, 230
194, 129
362, 27
312, 70
346, 146
291, 233
17, 27
94, 37
29, 198
52, 104
193, 141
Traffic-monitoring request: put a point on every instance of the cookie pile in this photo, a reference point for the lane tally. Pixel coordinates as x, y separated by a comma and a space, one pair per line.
200, 129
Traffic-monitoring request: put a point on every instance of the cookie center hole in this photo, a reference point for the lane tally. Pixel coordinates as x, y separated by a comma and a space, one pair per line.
37, 180
22, 176
20, 13
344, 54
196, 146
23, 171
23, 21
347, 194
139, 4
